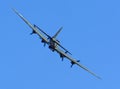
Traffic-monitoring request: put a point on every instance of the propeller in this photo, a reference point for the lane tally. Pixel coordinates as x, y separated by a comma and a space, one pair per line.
33, 32
72, 63
62, 56
43, 42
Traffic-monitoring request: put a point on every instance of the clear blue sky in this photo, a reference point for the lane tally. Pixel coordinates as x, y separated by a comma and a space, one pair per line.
91, 31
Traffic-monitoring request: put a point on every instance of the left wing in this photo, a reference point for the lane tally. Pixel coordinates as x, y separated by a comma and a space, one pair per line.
32, 27
75, 62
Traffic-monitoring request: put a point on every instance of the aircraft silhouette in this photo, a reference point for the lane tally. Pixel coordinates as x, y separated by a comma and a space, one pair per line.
53, 43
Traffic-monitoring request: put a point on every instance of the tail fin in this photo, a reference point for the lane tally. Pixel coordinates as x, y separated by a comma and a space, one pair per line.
57, 32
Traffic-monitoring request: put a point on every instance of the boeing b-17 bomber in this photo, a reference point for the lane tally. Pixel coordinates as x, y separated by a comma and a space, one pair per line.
53, 43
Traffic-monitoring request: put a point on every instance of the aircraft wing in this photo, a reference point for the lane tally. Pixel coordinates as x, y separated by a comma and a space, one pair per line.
75, 62
31, 26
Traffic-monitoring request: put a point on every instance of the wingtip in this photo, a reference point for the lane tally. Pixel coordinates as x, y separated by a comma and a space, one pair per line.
19, 14
14, 9
99, 78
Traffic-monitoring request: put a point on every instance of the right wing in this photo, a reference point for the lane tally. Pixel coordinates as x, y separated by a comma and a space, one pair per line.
32, 27
75, 62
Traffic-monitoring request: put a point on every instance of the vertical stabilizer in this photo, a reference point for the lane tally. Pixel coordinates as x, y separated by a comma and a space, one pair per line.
57, 32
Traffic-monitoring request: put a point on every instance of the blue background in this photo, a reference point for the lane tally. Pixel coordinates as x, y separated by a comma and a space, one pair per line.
91, 31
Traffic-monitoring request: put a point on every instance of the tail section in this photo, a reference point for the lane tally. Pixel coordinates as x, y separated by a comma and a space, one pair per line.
57, 32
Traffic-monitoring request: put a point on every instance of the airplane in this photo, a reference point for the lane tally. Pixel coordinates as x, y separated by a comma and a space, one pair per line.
53, 43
